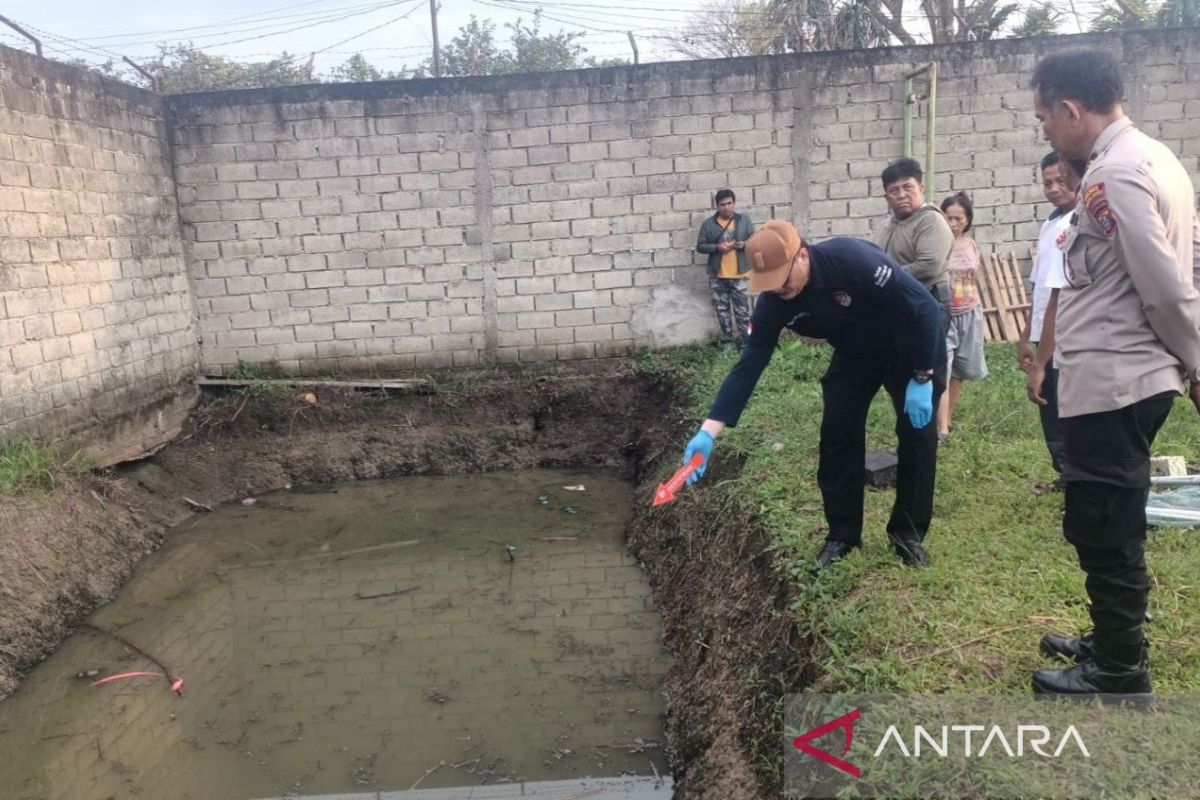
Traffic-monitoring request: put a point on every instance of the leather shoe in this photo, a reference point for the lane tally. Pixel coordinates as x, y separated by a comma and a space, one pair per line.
1094, 677
1071, 648
831, 552
911, 552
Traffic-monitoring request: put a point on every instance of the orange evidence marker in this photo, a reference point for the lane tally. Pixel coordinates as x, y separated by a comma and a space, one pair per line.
666, 491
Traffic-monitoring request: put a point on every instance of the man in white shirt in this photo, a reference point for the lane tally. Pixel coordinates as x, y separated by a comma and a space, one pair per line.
1049, 275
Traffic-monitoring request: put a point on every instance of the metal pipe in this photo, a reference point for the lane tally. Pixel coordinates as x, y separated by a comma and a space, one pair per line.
908, 104
37, 44
931, 116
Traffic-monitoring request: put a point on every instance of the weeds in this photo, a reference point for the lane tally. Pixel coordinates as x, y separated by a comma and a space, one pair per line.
26, 466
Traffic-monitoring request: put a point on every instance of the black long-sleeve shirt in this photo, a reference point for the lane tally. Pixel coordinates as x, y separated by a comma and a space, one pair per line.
858, 299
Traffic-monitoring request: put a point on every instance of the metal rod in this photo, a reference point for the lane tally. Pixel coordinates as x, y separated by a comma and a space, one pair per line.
37, 45
154, 83
908, 104
437, 53
633, 44
930, 119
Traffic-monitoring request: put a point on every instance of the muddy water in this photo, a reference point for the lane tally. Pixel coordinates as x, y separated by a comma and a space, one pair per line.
427, 632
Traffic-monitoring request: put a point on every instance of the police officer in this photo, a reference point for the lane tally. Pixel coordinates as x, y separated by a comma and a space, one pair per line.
886, 329
1127, 336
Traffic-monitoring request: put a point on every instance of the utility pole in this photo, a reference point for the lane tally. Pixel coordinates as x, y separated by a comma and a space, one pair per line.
437, 53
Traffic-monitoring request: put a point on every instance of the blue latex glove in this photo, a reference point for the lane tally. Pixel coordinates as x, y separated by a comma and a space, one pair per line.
918, 402
701, 443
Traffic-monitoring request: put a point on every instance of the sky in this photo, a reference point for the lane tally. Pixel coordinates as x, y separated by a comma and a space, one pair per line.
389, 33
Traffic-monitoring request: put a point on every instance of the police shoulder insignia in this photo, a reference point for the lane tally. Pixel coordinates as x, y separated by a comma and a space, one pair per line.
883, 273
1096, 202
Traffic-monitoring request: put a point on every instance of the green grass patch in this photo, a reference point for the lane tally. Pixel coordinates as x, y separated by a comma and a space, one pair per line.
1002, 573
25, 466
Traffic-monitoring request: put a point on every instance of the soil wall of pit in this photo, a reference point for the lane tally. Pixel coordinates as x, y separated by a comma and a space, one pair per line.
62, 555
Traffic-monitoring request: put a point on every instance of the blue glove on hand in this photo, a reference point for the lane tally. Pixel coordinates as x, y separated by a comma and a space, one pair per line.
701, 443
918, 402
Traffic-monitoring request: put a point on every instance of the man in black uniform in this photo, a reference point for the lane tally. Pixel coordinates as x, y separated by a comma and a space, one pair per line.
886, 329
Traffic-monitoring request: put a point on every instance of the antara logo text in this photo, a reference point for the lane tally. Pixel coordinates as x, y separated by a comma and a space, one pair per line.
973, 741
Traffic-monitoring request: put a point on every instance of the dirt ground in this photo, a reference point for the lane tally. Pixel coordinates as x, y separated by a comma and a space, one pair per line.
64, 554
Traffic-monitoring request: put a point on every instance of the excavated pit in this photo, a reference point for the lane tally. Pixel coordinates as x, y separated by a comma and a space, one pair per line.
708, 570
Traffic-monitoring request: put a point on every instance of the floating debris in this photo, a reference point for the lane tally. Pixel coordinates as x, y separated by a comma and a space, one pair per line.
250, 501
579, 487
544, 499
569, 510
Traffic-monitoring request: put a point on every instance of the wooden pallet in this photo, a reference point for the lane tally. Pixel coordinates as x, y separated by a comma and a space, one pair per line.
1002, 295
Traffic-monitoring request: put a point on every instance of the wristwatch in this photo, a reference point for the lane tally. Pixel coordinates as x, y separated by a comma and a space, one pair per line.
923, 375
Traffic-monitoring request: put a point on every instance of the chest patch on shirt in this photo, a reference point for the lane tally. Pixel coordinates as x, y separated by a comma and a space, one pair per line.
842, 299
1096, 202
883, 274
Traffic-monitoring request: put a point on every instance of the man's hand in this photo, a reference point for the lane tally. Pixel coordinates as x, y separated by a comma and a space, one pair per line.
1024, 355
918, 402
1033, 384
1194, 393
701, 443
724, 247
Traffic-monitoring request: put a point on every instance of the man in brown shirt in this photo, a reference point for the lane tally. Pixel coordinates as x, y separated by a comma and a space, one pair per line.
1128, 335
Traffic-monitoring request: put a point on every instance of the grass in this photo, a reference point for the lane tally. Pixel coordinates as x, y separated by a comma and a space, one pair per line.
1002, 572
25, 466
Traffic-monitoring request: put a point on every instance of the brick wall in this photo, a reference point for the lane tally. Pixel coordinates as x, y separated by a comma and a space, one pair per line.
434, 223
95, 312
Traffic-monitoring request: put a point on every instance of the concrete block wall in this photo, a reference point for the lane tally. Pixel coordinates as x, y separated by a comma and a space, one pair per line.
96, 317
534, 217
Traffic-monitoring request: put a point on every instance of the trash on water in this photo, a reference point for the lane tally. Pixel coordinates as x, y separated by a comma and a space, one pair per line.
579, 487
544, 499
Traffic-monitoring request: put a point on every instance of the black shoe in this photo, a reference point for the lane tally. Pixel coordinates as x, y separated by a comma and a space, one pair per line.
831, 552
1094, 677
911, 552
1071, 648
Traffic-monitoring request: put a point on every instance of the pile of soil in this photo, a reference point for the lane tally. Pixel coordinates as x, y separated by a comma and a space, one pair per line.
63, 554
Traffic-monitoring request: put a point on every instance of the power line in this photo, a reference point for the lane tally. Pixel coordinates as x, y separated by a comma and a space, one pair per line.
417, 4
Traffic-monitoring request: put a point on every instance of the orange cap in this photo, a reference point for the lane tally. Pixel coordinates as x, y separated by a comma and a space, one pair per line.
770, 252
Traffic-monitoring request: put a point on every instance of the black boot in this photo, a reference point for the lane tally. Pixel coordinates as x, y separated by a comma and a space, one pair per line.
1071, 648
833, 550
1112, 669
911, 551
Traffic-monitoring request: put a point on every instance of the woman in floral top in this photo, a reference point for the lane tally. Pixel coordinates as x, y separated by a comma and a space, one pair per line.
964, 342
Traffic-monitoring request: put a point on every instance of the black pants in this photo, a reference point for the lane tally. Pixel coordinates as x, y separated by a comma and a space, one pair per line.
1107, 475
1051, 430
847, 388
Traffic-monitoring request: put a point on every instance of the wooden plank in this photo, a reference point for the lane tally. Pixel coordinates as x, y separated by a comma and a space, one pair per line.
415, 383
992, 275
1020, 305
987, 302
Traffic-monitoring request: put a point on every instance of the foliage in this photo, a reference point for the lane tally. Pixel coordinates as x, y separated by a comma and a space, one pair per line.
1132, 14
25, 465
1041, 19
357, 69
765, 27
474, 50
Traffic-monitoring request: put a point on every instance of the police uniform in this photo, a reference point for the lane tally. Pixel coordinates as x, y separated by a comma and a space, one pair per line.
1128, 331
884, 326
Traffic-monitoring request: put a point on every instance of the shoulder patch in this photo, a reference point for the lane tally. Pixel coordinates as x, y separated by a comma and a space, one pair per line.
1096, 202
883, 274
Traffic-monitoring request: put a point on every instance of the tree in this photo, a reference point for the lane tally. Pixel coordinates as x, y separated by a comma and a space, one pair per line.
357, 69
183, 68
1040, 20
474, 51
1128, 14
763, 27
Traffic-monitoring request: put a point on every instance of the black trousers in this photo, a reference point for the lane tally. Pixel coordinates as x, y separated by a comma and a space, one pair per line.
1107, 475
1051, 430
847, 388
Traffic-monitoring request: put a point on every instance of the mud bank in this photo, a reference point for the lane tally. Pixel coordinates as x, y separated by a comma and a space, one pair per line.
724, 608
